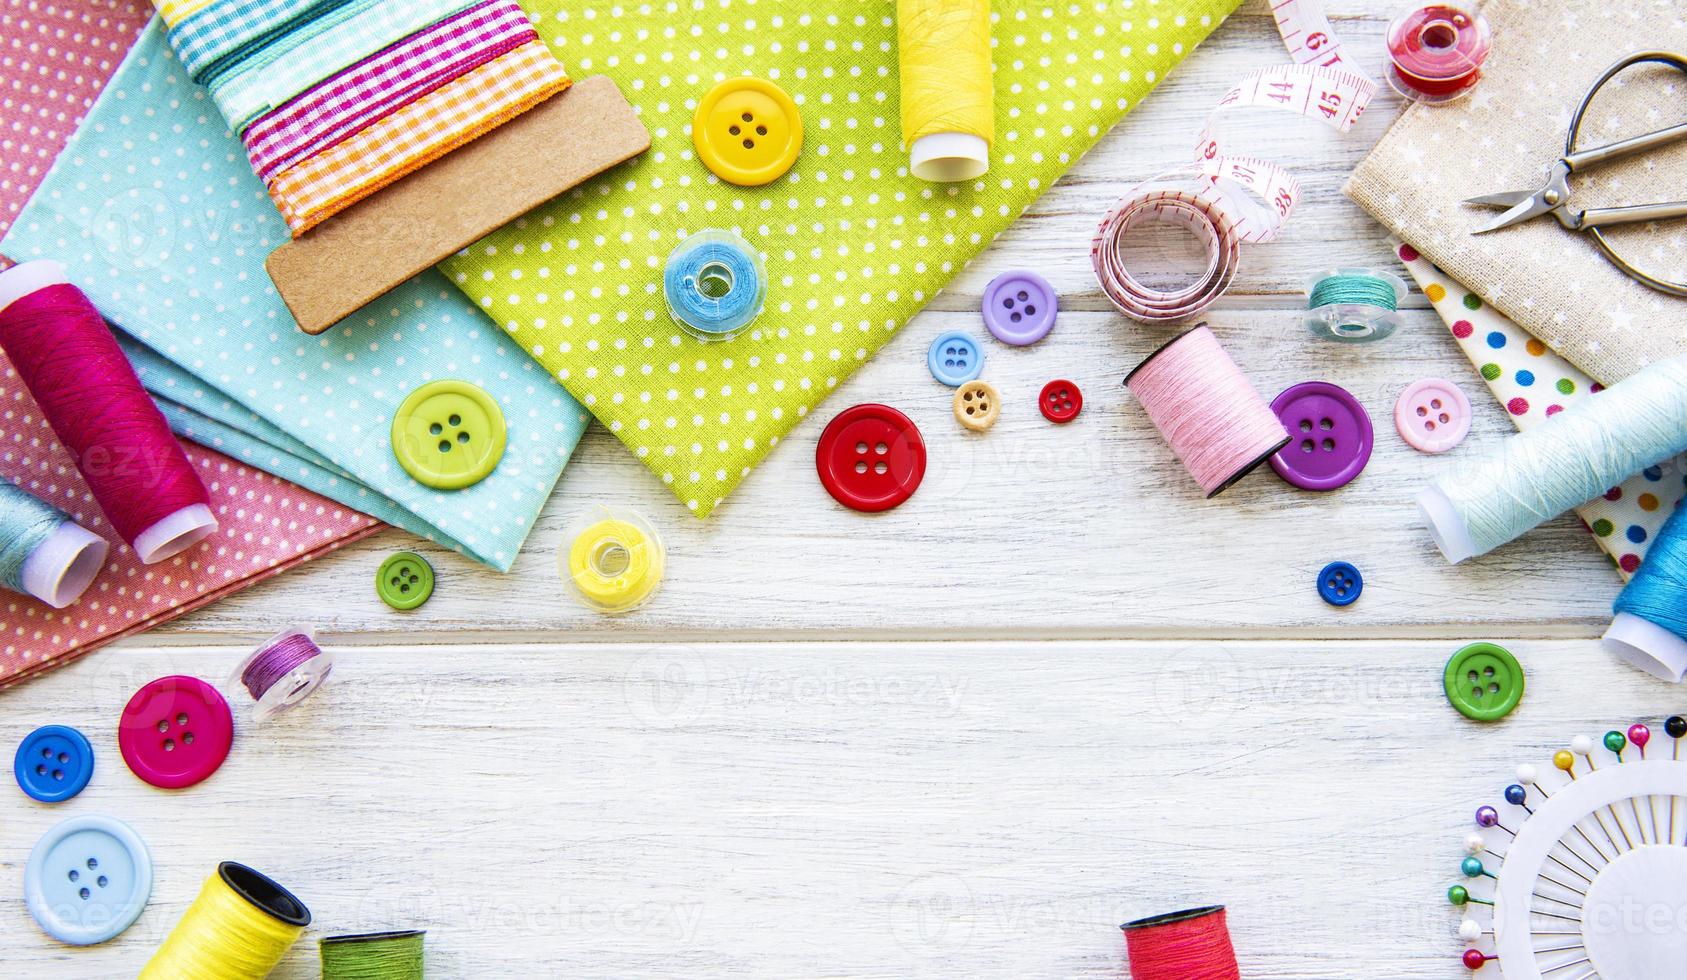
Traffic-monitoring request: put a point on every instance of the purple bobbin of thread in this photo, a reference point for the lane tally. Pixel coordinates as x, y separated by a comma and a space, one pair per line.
282, 671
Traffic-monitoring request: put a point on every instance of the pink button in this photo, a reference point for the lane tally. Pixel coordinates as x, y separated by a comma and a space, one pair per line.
175, 731
1432, 415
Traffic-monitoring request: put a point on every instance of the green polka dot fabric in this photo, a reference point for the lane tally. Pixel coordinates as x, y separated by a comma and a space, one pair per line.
854, 246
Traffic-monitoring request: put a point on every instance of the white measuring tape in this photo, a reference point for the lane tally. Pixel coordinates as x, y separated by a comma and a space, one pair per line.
1227, 200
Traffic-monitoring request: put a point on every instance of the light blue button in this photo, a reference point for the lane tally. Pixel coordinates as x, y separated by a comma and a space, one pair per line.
87, 880
955, 359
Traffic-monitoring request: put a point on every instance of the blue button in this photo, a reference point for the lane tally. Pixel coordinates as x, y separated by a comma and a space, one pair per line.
955, 359
1340, 583
53, 763
87, 880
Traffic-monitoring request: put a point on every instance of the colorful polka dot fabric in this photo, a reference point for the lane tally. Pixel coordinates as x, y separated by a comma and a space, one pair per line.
854, 246
1534, 384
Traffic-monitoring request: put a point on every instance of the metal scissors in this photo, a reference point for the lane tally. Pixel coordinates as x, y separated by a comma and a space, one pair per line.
1554, 198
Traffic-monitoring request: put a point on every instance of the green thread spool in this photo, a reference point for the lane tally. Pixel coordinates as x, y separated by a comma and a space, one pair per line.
1354, 306
373, 956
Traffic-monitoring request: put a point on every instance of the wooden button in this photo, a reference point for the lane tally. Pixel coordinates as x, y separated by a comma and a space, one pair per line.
977, 405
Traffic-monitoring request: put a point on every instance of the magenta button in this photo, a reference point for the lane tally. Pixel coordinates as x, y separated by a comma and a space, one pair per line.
175, 731
1432, 415
1332, 436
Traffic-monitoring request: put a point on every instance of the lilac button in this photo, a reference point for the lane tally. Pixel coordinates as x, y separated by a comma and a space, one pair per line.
1019, 307
1331, 433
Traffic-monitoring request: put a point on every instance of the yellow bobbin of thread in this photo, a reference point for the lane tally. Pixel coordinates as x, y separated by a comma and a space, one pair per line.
614, 561
948, 100
239, 928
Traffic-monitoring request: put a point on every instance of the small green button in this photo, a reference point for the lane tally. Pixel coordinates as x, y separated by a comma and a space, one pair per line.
448, 435
405, 580
1484, 682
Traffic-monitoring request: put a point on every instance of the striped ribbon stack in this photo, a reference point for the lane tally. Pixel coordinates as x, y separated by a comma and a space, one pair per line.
336, 99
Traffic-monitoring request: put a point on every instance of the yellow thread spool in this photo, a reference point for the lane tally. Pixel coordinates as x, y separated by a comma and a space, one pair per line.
948, 100
239, 928
614, 560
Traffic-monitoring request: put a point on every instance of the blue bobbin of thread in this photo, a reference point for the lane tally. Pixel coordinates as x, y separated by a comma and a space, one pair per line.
1354, 306
1650, 628
714, 284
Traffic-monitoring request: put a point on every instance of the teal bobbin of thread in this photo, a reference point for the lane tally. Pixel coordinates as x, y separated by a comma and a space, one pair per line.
373, 956
714, 284
1354, 306
1650, 628
42, 552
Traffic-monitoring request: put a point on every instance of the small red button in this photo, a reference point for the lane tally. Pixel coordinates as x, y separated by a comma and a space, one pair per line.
871, 458
175, 731
1061, 401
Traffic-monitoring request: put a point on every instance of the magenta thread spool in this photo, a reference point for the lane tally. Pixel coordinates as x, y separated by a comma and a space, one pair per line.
1207, 409
283, 670
67, 357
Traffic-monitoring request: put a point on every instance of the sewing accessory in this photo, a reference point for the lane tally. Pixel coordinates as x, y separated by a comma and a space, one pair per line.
1207, 409
1649, 629
1340, 584
871, 458
43, 553
1354, 306
977, 405
714, 284
1577, 455
87, 880
948, 98
954, 359
238, 928
613, 559
1330, 436
1547, 924
175, 731
1182, 946
448, 434
1432, 415
1483, 681
53, 763
404, 580
1436, 52
282, 671
373, 956
66, 355
1020, 307
1060, 401
1554, 197
747, 131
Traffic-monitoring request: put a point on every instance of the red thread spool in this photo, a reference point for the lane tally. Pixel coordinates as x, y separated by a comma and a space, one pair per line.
1437, 52
1193, 944
65, 354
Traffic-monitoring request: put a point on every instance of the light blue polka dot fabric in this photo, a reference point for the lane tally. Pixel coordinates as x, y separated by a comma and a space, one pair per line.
155, 213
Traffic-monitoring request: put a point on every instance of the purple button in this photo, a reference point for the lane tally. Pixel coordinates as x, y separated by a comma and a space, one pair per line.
1019, 307
1331, 436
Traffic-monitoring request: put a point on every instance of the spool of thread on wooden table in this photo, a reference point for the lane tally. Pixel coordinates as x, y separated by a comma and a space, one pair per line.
373, 956
43, 553
948, 97
88, 392
239, 928
1650, 627
1436, 52
1193, 944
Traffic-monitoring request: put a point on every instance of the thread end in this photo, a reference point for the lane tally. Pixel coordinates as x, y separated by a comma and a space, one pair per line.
1648, 647
62, 567
175, 534
1445, 525
945, 158
30, 277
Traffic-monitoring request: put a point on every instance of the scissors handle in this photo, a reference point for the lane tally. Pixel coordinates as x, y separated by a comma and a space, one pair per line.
1602, 217
1594, 156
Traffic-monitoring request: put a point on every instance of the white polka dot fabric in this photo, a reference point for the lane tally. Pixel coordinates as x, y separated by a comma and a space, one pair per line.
156, 214
853, 245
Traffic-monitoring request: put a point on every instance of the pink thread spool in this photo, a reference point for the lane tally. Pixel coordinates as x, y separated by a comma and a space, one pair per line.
1214, 419
67, 357
1436, 52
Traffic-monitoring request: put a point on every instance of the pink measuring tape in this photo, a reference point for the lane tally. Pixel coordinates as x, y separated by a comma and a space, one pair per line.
1223, 200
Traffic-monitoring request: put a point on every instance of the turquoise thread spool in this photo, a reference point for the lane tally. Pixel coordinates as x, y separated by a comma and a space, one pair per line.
1354, 306
714, 284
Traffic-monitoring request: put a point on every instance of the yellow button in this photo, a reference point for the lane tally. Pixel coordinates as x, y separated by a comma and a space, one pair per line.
748, 131
448, 435
977, 405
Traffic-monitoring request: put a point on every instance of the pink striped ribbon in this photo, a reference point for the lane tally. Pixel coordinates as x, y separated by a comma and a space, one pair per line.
383, 83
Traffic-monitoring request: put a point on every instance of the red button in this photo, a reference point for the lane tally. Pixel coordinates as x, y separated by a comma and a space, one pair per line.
175, 731
871, 458
1061, 401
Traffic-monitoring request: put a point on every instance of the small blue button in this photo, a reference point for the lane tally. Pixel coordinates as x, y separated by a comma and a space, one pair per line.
87, 880
53, 763
955, 359
1340, 583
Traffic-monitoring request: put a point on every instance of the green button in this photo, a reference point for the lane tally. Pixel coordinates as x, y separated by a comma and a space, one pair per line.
405, 580
1484, 682
448, 435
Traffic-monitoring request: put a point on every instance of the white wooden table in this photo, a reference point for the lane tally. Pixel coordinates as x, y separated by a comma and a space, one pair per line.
967, 738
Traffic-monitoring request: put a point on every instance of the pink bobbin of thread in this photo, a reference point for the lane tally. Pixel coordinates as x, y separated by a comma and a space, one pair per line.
1213, 417
1193, 944
88, 392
